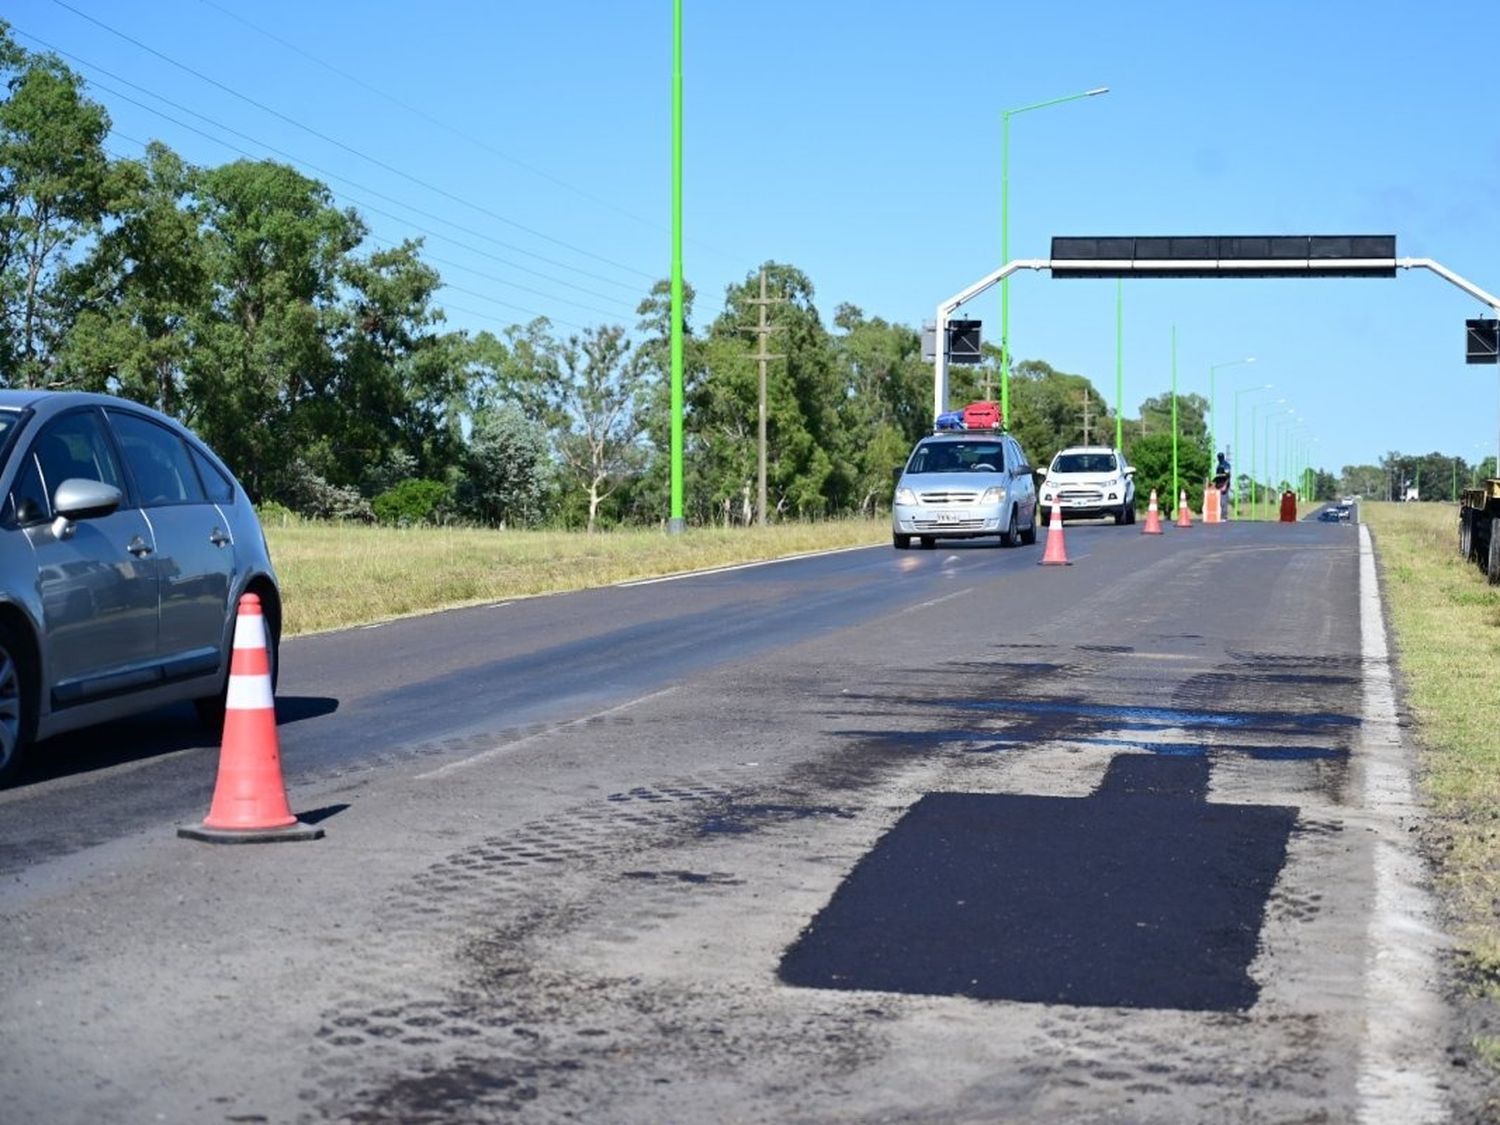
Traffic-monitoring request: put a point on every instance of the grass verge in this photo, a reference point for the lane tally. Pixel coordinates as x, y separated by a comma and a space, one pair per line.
337, 575
1446, 621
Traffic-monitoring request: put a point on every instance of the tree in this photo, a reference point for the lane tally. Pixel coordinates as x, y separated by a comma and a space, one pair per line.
810, 467
397, 381
506, 470
886, 402
274, 244
592, 403
140, 288
52, 171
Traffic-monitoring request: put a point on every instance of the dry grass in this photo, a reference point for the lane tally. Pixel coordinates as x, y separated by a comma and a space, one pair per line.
338, 575
1446, 621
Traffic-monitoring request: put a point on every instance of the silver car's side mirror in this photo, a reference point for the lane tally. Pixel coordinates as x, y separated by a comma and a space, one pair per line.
78, 498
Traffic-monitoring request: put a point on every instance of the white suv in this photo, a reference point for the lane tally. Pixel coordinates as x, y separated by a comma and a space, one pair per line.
1090, 480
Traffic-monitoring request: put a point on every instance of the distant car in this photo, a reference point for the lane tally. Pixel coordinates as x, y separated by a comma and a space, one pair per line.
1090, 480
1334, 515
125, 545
965, 484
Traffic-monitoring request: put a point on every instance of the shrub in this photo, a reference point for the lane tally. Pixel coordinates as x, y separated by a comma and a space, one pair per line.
411, 502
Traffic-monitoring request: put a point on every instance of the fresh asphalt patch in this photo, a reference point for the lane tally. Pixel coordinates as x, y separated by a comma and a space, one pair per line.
1140, 895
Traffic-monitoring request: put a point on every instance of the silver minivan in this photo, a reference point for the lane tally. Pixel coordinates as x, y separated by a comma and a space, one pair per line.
965, 484
125, 546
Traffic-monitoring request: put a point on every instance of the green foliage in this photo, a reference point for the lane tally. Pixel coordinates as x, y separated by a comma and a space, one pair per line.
411, 502
52, 171
506, 470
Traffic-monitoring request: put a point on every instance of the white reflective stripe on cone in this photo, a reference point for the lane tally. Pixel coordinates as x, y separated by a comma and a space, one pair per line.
249, 693
250, 631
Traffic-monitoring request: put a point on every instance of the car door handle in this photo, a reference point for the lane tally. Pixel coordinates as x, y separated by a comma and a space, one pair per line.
138, 547
218, 538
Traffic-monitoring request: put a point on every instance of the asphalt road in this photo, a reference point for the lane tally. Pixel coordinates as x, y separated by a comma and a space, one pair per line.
872, 836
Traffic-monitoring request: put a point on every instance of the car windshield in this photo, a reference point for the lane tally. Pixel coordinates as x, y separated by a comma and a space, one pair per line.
1084, 463
958, 457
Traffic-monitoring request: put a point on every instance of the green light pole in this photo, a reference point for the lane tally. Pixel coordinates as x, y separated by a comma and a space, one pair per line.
1005, 116
1213, 397
1174, 416
1254, 459
1236, 451
676, 524
1119, 363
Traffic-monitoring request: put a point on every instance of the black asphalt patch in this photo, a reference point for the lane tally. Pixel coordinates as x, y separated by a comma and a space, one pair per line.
1141, 895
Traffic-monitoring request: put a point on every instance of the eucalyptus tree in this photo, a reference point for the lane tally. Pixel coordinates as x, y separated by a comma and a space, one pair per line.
139, 289
274, 246
52, 173
592, 405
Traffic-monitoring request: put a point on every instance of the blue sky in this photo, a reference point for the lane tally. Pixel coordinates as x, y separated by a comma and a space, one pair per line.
860, 141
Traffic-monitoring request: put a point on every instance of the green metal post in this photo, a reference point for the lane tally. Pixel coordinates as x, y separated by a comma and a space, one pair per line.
1004, 282
1119, 363
1005, 116
676, 524
1175, 489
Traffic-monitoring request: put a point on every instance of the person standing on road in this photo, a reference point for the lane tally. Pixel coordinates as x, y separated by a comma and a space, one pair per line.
1222, 478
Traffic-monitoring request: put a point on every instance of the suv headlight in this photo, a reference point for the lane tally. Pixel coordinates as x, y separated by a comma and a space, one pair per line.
994, 495
905, 496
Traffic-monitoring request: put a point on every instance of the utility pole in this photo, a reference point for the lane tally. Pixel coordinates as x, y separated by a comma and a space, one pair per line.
1086, 416
763, 331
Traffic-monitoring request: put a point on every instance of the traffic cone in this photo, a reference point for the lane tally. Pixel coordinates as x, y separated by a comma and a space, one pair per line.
1057, 551
1184, 513
1153, 517
249, 804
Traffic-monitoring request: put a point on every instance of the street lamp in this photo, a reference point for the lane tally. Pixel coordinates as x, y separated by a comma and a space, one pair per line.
1005, 116
1254, 462
1213, 400
1236, 452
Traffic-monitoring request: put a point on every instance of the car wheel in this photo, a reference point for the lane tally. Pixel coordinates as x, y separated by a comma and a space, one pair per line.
900, 542
1008, 537
1028, 536
928, 542
1130, 511
17, 702
210, 708
1120, 516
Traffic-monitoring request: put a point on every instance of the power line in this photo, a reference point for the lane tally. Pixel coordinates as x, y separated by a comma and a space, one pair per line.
429, 118
332, 176
453, 129
349, 148
444, 285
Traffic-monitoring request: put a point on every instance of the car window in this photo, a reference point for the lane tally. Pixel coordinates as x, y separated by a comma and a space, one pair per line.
958, 457
219, 487
1084, 463
159, 461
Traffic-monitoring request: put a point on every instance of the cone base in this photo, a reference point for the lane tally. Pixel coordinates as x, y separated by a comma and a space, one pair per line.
296, 831
1153, 531
1054, 562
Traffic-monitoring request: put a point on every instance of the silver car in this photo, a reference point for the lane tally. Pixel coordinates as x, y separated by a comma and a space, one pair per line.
963, 485
125, 545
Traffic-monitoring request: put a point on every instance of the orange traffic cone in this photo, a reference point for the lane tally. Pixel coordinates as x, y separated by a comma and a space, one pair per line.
1184, 513
1153, 517
1057, 551
249, 804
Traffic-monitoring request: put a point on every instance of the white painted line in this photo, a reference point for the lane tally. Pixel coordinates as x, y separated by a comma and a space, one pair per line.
936, 601
740, 566
485, 755
1403, 1015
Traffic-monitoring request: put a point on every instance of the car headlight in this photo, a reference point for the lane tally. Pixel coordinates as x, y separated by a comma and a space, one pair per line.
905, 496
994, 495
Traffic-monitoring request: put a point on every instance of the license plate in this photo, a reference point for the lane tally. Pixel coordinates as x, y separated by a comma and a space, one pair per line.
948, 517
